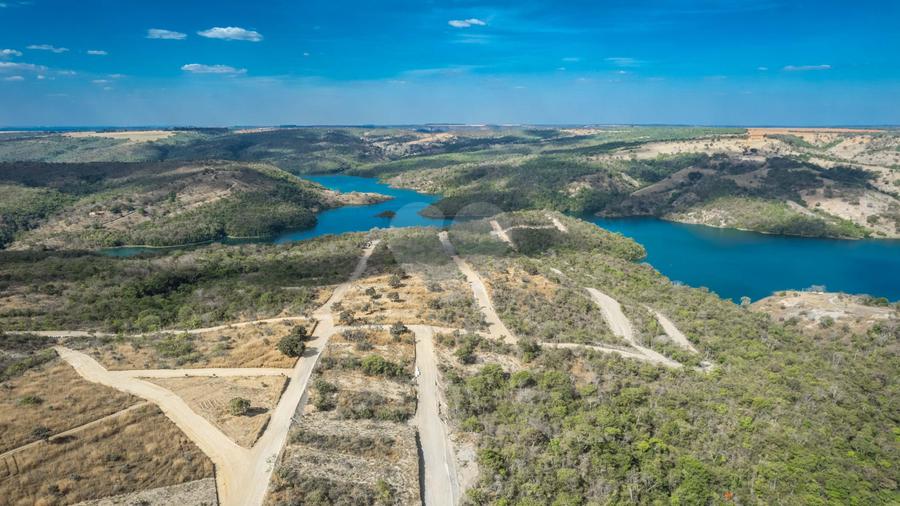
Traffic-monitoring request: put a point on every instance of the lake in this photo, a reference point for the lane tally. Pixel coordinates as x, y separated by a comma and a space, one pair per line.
731, 263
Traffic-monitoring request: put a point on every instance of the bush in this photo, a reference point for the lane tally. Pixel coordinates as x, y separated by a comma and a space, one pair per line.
376, 365
292, 345
238, 406
398, 329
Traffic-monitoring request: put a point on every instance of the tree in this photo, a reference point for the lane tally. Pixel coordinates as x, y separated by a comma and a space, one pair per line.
395, 281
238, 406
292, 345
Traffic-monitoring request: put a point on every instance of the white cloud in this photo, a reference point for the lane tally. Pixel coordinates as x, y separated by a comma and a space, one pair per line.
466, 23
19, 67
231, 33
762, 69
14, 78
571, 59
199, 68
96, 52
159, 33
9, 53
48, 47
100, 81
805, 68
623, 61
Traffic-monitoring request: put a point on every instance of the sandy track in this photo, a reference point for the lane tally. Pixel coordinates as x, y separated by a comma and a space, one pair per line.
441, 483
250, 488
496, 328
558, 224
212, 372
243, 475
621, 326
501, 234
672, 331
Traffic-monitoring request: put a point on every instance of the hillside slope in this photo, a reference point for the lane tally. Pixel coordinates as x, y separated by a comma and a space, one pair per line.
65, 206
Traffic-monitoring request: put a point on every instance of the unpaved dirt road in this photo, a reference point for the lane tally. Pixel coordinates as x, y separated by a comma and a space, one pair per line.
441, 483
223, 373
496, 328
673, 332
242, 475
621, 326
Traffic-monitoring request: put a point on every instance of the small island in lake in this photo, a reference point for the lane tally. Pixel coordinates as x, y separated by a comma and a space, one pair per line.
386, 214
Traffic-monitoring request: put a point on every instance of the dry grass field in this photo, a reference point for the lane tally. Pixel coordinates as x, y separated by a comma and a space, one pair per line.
243, 346
209, 397
132, 136
137, 450
51, 399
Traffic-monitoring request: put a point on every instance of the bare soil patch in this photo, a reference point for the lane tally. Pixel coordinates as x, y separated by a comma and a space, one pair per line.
210, 396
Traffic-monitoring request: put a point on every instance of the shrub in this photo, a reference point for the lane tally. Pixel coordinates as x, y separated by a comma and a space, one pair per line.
30, 400
292, 345
395, 281
398, 329
238, 406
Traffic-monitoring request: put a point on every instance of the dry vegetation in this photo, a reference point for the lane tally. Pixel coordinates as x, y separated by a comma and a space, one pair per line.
33, 406
238, 346
209, 397
141, 449
815, 311
353, 444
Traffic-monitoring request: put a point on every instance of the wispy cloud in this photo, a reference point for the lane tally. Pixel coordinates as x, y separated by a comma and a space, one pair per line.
466, 23
806, 68
571, 59
159, 33
623, 61
48, 47
100, 81
97, 52
231, 33
6, 66
199, 68
9, 53
762, 69
14, 78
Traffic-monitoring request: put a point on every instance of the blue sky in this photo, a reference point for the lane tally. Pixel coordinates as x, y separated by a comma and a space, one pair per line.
162, 62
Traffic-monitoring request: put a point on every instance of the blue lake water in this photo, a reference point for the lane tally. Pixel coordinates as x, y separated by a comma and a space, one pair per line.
729, 262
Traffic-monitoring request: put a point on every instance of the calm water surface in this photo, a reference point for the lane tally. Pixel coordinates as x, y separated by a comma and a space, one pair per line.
729, 262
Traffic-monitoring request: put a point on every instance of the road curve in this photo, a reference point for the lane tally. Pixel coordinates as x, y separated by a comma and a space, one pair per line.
621, 326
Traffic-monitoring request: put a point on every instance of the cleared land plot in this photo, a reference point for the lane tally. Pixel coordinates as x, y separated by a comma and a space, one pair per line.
244, 346
51, 399
354, 444
141, 449
210, 396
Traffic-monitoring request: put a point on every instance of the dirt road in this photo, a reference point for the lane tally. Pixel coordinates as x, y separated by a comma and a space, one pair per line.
496, 328
673, 332
242, 475
621, 326
181, 373
441, 484
252, 485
